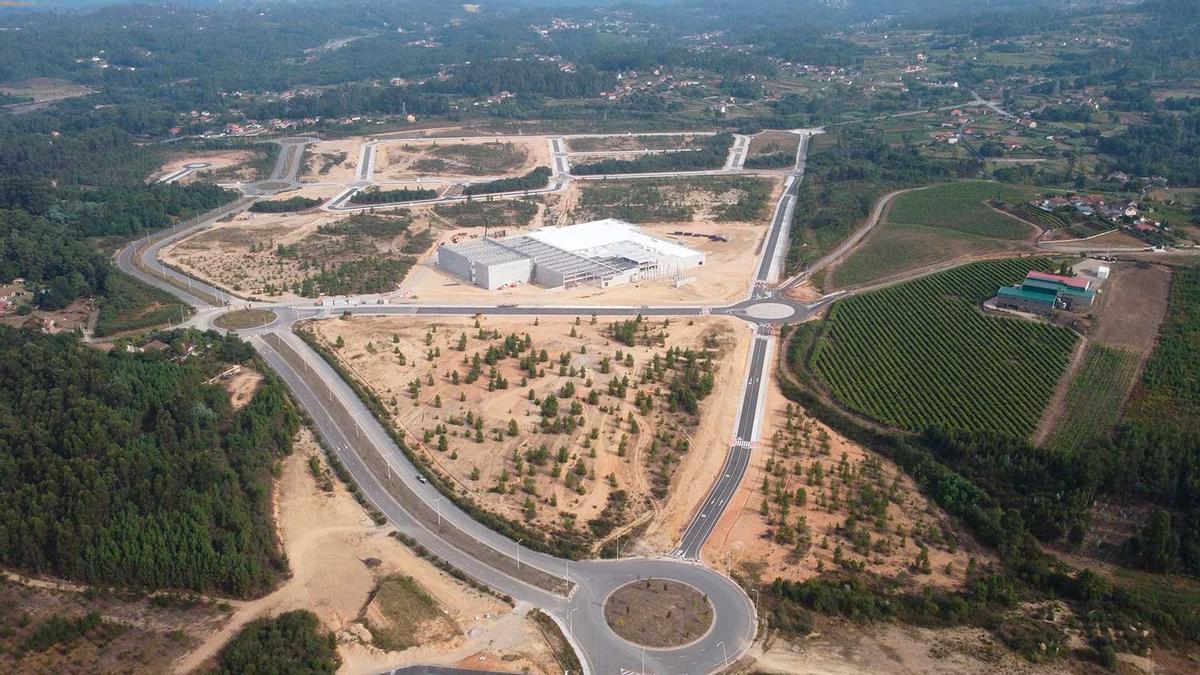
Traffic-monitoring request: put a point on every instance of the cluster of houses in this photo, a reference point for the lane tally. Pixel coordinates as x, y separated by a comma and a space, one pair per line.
12, 295
1092, 206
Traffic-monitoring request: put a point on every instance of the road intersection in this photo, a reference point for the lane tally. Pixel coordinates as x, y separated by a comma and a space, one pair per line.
571, 592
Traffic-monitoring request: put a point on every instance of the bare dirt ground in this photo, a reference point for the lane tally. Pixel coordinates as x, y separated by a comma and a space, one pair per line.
1117, 240
771, 142
338, 555
241, 384
659, 614
402, 160
80, 314
725, 276
841, 648
321, 165
579, 469
629, 142
242, 254
746, 542
1132, 305
221, 160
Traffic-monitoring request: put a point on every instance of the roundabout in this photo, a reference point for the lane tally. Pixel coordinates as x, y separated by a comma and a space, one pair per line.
770, 311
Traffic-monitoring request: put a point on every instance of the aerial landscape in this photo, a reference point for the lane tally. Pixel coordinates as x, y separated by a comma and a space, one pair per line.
577, 336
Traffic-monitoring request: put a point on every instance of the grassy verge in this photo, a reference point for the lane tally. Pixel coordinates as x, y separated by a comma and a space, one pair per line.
559, 645
129, 304
240, 319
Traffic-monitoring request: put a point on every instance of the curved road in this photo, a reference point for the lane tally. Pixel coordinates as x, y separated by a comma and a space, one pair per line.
572, 592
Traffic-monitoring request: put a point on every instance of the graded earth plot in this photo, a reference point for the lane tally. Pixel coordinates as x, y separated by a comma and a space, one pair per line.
632, 143
703, 199
460, 158
225, 165
772, 150
333, 161
306, 254
813, 502
557, 421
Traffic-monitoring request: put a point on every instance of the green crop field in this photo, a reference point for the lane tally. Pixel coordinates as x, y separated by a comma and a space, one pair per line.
1095, 397
934, 225
898, 248
962, 207
921, 353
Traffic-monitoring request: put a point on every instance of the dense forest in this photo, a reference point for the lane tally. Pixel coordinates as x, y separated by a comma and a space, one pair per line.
57, 265
130, 469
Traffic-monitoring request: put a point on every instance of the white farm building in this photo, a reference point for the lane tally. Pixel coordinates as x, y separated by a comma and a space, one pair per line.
601, 253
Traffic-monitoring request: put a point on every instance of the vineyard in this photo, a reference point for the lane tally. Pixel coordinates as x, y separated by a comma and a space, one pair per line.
1095, 397
921, 354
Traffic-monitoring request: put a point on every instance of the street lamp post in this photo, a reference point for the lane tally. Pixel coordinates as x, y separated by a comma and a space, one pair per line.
519, 553
438, 503
571, 620
725, 656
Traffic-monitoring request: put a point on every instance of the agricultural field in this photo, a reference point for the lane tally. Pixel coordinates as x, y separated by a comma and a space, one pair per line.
899, 248
577, 426
936, 225
1095, 397
962, 207
656, 200
1167, 395
306, 255
921, 354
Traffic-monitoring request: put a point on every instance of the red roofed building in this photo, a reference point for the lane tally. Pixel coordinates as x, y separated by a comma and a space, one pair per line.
1073, 282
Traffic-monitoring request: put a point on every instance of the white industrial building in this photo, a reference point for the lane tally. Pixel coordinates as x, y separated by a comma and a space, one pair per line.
601, 253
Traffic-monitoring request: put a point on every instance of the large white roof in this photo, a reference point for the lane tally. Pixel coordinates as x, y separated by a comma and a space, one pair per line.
600, 234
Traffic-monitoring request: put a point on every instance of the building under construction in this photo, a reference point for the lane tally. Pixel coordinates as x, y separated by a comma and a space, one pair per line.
602, 253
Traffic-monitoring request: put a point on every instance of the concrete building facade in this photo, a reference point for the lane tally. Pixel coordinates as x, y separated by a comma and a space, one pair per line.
602, 253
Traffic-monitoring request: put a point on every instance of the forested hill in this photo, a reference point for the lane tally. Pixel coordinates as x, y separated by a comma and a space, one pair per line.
127, 469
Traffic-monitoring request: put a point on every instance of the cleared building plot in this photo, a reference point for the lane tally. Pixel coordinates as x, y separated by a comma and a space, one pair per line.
602, 253
816, 481
285, 255
510, 156
555, 421
631, 143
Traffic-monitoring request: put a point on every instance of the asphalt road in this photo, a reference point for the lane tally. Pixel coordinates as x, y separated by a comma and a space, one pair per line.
572, 593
